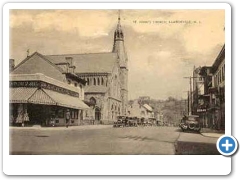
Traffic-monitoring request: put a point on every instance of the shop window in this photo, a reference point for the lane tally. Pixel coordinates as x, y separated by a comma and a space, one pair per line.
72, 114
60, 113
76, 114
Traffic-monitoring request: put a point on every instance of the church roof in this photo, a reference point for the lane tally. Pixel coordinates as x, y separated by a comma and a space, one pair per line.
95, 89
88, 63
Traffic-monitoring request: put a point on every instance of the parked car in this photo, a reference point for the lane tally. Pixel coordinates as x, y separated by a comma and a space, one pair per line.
132, 121
190, 123
121, 121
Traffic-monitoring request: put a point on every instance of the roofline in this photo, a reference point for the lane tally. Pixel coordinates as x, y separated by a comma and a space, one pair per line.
41, 77
85, 92
81, 54
219, 59
93, 73
75, 77
42, 56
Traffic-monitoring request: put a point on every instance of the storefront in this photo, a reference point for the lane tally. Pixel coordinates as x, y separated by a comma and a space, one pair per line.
39, 100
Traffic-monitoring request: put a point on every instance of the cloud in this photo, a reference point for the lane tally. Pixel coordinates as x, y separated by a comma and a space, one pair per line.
160, 54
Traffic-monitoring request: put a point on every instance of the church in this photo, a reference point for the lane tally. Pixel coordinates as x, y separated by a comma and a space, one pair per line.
106, 76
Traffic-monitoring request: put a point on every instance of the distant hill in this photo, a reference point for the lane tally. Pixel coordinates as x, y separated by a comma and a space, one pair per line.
172, 109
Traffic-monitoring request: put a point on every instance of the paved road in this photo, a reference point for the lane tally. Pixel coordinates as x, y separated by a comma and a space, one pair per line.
98, 139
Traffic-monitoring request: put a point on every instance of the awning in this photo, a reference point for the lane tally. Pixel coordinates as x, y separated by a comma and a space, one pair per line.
41, 97
66, 100
21, 94
44, 96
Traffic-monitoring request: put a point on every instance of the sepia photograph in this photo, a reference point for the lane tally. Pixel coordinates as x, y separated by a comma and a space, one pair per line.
116, 81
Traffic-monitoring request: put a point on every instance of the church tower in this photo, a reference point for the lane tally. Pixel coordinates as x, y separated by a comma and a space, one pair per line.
118, 47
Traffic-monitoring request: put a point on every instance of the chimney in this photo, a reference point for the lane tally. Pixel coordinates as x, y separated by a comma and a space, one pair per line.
11, 64
69, 60
71, 67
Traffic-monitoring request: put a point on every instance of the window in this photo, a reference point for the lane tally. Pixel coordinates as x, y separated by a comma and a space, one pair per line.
223, 72
88, 81
220, 76
94, 81
75, 84
76, 114
72, 114
98, 81
72, 121
60, 113
57, 121
102, 81
69, 82
93, 101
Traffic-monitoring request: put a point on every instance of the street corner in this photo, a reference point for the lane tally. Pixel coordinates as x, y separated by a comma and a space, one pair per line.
227, 145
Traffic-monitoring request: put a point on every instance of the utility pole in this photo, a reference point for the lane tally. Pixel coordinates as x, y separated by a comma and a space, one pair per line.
190, 93
188, 109
188, 103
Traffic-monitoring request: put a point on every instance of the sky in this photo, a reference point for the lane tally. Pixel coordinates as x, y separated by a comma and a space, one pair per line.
162, 46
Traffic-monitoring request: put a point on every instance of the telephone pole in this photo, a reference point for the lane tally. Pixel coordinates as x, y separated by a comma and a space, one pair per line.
188, 103
190, 93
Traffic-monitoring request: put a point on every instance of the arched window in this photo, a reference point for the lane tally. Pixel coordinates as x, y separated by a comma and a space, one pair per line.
93, 101
94, 81
88, 81
98, 81
102, 81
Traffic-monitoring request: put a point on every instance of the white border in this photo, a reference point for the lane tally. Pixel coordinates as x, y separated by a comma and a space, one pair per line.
113, 165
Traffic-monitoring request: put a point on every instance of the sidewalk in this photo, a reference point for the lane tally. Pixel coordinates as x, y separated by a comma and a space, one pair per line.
197, 144
212, 132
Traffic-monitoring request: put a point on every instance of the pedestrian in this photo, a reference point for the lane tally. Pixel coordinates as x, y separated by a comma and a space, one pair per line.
67, 118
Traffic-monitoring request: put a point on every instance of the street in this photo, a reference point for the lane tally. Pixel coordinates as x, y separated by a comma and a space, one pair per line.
106, 140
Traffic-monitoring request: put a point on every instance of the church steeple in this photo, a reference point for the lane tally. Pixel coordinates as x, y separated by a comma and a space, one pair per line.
118, 34
119, 49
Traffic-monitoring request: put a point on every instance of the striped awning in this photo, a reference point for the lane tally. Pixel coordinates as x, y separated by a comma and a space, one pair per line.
66, 100
40, 97
21, 94
44, 96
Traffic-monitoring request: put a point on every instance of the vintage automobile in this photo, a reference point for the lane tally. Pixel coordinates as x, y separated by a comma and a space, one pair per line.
190, 123
132, 121
121, 122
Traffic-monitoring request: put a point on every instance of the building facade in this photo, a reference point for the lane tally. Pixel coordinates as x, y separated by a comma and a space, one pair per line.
41, 91
209, 93
139, 110
106, 74
217, 91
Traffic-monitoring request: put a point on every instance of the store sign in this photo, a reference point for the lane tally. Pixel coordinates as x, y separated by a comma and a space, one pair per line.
24, 83
44, 85
201, 110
